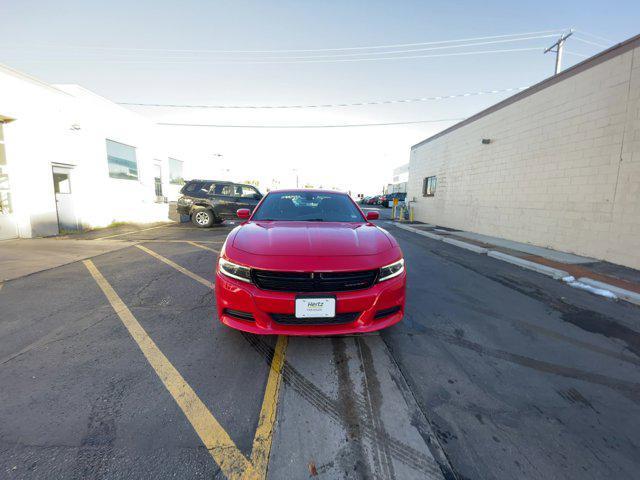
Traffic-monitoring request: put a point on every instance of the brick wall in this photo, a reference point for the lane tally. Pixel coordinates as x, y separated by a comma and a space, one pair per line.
562, 169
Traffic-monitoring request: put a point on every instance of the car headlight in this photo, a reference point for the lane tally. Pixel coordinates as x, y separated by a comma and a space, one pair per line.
233, 270
392, 270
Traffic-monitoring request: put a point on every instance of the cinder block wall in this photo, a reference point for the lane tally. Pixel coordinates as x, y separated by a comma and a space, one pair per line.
562, 169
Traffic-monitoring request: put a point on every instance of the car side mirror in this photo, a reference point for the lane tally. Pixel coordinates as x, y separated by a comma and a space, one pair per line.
373, 215
257, 196
243, 213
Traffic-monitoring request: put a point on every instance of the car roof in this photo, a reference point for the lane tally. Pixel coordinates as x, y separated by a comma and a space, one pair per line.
207, 180
306, 190
223, 182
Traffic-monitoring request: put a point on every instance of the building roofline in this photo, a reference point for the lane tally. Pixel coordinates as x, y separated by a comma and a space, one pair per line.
590, 62
24, 76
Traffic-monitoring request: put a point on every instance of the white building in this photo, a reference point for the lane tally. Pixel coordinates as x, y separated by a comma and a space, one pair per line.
400, 179
70, 159
556, 165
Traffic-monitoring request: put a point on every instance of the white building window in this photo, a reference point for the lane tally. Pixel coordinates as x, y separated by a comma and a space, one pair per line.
5, 193
175, 171
122, 161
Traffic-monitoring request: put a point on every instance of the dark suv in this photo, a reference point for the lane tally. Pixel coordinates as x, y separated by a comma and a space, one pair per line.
211, 201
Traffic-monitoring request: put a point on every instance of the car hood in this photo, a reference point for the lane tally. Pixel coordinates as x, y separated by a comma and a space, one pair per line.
311, 239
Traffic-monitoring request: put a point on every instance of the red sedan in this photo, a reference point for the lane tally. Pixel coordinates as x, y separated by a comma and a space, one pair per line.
309, 262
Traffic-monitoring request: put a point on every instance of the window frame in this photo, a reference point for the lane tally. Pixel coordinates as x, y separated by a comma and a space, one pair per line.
135, 158
429, 186
254, 190
172, 180
6, 206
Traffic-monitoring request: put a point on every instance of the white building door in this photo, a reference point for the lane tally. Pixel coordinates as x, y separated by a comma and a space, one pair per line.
8, 227
64, 198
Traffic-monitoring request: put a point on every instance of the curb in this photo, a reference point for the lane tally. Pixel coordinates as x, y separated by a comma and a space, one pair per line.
433, 236
627, 295
536, 267
466, 246
593, 286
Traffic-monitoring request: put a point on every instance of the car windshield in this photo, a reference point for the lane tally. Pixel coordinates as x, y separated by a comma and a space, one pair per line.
308, 207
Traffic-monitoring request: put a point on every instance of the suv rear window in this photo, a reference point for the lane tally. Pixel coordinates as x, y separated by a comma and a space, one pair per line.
196, 188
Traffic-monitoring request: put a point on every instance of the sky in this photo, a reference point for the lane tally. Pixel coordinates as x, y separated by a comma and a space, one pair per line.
169, 53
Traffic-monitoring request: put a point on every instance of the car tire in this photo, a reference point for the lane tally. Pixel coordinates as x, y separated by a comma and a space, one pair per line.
202, 217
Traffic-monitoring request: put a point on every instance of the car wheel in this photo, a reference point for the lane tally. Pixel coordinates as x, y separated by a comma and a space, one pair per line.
202, 218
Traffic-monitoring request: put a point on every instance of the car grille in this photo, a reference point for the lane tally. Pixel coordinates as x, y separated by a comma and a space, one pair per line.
386, 312
314, 282
238, 314
290, 319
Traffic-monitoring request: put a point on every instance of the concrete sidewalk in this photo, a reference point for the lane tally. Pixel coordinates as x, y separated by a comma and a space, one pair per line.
582, 272
26, 256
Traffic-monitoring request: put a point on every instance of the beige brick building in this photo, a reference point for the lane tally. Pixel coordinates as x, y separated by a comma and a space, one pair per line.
556, 165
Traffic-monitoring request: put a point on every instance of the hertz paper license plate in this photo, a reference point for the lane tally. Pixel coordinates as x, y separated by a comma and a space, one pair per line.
315, 307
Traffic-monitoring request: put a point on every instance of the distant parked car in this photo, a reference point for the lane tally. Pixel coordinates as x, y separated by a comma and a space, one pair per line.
210, 201
388, 202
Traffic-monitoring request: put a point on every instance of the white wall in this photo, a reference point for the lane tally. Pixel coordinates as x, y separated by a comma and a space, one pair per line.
562, 169
38, 136
67, 124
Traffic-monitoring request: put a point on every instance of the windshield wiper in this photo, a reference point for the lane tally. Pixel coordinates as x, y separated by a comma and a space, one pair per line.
313, 220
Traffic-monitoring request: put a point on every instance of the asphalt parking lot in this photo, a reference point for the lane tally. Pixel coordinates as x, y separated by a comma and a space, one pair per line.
115, 367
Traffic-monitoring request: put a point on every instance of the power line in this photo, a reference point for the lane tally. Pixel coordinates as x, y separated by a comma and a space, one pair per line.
345, 125
589, 42
327, 105
597, 37
393, 52
267, 62
582, 55
370, 47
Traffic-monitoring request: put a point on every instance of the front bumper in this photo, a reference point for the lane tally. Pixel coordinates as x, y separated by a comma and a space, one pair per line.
238, 296
183, 209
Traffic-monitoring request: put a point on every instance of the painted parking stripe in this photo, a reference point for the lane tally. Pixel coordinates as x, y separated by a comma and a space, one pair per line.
268, 413
131, 233
204, 247
264, 433
155, 240
219, 444
181, 269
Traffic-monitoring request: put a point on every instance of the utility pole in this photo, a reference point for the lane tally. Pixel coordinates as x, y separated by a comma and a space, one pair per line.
557, 49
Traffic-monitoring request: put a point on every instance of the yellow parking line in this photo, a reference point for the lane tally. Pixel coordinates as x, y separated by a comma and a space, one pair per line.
264, 433
225, 453
268, 413
188, 273
155, 240
130, 233
203, 247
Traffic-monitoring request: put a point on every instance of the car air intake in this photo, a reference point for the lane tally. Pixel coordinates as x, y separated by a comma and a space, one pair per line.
241, 315
315, 281
386, 312
290, 319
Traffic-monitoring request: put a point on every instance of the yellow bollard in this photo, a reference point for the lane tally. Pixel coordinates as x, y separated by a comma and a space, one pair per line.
411, 214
